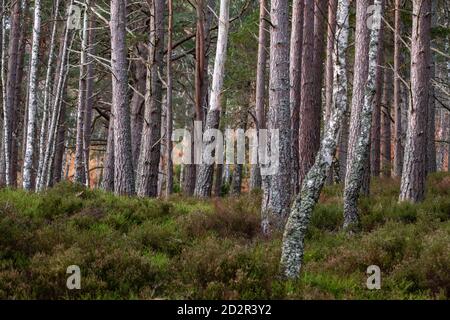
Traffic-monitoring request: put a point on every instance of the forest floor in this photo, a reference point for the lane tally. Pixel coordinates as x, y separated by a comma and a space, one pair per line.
129, 248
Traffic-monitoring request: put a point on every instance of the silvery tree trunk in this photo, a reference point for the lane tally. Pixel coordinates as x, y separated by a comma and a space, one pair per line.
203, 185
80, 164
414, 165
45, 174
260, 85
357, 165
294, 234
123, 166
277, 197
8, 108
295, 77
397, 104
149, 159
32, 99
43, 135
308, 121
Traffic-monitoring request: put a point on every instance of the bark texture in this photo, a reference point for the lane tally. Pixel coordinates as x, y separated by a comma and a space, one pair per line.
414, 170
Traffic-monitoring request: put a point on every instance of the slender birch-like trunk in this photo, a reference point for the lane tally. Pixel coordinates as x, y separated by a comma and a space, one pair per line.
43, 135
45, 175
357, 165
80, 165
203, 185
299, 218
32, 99
375, 144
414, 165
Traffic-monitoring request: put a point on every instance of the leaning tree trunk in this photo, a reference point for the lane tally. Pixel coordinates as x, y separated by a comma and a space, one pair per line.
357, 165
32, 98
203, 185
123, 166
277, 198
260, 86
148, 165
414, 165
294, 234
295, 77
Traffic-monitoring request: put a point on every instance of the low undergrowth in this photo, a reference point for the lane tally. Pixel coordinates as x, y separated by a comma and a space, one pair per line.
130, 248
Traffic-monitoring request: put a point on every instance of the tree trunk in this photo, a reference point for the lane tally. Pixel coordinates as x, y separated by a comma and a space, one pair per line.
108, 162
260, 85
357, 166
308, 137
138, 101
299, 218
386, 125
8, 110
295, 76
43, 135
169, 113
32, 102
397, 104
431, 110
277, 198
123, 166
375, 143
148, 165
204, 181
80, 161
414, 166
89, 99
